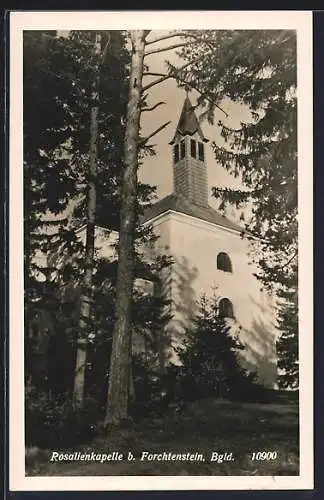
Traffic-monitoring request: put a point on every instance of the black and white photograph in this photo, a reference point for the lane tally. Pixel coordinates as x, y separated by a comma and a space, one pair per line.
161, 250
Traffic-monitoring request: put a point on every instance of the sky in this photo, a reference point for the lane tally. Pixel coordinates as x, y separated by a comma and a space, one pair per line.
157, 170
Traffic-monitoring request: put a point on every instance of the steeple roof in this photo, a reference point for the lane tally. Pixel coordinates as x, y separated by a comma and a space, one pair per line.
188, 122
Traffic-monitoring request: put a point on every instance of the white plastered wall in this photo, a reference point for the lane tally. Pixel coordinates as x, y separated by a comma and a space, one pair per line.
194, 245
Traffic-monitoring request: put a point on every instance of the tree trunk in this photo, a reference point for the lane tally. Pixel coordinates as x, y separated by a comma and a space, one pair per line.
86, 293
120, 363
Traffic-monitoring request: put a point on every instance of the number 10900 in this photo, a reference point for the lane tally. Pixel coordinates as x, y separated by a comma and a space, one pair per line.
264, 455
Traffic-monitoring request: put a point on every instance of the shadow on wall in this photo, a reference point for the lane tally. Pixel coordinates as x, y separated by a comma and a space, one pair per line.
154, 341
184, 298
176, 286
260, 345
259, 354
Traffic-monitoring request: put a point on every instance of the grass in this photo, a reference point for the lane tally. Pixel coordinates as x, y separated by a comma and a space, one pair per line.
206, 426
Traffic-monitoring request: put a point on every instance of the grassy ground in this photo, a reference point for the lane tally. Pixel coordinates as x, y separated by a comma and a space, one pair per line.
206, 426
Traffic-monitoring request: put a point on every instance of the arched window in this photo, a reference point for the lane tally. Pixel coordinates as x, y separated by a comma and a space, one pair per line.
224, 262
226, 308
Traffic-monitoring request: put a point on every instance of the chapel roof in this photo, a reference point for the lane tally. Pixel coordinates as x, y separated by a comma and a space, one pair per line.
188, 122
180, 204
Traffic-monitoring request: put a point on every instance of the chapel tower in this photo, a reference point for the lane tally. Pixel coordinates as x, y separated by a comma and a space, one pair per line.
189, 164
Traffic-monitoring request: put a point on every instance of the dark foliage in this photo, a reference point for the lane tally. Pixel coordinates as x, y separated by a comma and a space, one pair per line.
258, 69
287, 346
53, 422
210, 360
58, 76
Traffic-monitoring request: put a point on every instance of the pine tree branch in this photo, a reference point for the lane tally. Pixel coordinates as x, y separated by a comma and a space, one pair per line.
164, 77
188, 34
289, 260
166, 37
169, 47
145, 139
153, 107
156, 82
150, 73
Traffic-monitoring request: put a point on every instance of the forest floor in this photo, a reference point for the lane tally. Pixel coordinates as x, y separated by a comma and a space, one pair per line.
204, 427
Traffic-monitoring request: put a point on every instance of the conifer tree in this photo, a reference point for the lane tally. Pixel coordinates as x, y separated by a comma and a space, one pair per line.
287, 347
59, 75
118, 390
258, 69
210, 355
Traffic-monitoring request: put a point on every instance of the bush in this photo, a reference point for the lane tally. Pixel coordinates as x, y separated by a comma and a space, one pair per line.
148, 389
210, 361
249, 391
52, 421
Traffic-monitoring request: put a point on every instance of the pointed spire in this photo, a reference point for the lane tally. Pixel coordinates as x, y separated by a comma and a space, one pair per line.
188, 121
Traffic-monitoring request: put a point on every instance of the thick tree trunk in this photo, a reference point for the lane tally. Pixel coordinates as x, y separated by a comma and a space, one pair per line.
120, 363
86, 294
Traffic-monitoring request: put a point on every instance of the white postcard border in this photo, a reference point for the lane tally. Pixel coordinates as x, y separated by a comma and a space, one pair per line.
302, 22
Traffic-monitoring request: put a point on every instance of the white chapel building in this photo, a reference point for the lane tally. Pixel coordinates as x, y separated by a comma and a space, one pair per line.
209, 255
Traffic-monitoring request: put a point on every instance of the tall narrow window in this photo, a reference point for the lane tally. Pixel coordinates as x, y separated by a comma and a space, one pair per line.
176, 153
224, 262
182, 149
201, 153
226, 308
193, 148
